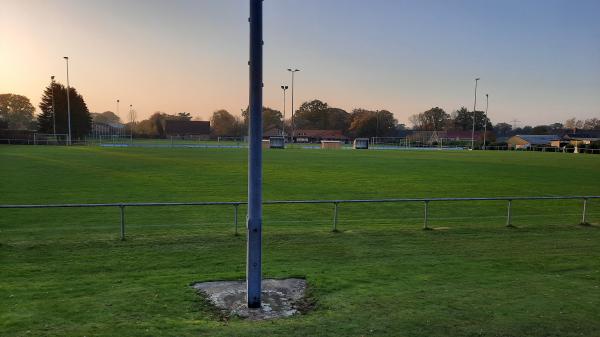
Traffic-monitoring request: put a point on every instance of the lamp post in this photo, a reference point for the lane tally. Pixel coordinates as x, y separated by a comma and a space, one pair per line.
474, 107
132, 121
53, 106
487, 103
118, 109
284, 88
293, 126
254, 217
68, 101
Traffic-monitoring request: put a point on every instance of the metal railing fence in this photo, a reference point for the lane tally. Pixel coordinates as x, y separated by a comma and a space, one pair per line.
335, 203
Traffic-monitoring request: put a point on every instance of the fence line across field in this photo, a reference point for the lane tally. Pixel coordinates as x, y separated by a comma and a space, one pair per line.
335, 203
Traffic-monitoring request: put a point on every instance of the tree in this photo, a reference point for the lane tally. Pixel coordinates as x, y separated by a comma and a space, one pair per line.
430, 120
503, 129
317, 115
462, 119
573, 124
592, 124
16, 112
272, 119
366, 123
107, 117
540, 130
81, 121
225, 124
186, 116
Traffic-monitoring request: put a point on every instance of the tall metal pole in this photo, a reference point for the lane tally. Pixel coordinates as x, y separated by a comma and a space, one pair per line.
487, 104
474, 107
131, 125
53, 107
120, 132
293, 124
254, 219
284, 88
68, 101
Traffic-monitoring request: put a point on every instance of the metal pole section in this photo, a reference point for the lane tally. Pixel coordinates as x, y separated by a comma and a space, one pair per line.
293, 126
335, 216
474, 108
583, 216
131, 125
508, 216
235, 218
425, 227
68, 101
487, 104
284, 88
122, 222
53, 107
254, 224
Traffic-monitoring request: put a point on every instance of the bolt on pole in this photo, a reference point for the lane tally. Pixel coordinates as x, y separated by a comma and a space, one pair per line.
254, 219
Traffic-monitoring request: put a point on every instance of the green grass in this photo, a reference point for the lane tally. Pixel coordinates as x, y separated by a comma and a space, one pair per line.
63, 272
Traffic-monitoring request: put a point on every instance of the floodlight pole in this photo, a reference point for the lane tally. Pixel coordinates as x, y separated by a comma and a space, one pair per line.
53, 107
474, 107
254, 218
487, 104
293, 126
284, 88
68, 100
118, 113
131, 126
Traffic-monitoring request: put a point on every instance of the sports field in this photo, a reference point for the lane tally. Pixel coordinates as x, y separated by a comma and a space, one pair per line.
64, 272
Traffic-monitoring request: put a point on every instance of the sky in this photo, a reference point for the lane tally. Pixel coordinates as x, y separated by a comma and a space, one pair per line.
539, 60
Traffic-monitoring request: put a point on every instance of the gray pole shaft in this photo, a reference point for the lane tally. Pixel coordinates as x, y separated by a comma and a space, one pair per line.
254, 225
487, 103
122, 223
68, 104
293, 126
283, 122
474, 108
53, 111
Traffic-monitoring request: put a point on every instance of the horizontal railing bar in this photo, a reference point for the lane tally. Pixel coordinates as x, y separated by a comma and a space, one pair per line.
275, 202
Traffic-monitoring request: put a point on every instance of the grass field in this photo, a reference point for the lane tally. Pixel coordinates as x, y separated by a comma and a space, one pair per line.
65, 273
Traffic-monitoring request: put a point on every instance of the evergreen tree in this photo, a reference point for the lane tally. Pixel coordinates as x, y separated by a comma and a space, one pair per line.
81, 121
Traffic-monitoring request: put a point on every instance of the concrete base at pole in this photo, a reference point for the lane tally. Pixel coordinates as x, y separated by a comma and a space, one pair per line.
280, 298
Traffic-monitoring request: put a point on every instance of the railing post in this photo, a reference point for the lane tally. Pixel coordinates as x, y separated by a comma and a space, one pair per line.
235, 218
425, 215
335, 216
583, 215
122, 222
508, 216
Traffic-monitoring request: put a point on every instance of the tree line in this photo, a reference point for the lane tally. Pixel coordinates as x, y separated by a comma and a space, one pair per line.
17, 113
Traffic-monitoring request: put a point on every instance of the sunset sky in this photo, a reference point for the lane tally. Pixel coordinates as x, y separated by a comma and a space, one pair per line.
538, 60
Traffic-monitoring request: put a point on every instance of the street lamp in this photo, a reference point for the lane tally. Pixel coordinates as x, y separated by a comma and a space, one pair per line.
293, 126
53, 106
118, 110
284, 88
474, 107
132, 121
487, 103
68, 101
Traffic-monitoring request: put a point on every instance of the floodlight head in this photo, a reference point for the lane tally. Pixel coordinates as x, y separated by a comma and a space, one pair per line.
289, 69
118, 101
52, 77
296, 69
286, 87
66, 57
477, 79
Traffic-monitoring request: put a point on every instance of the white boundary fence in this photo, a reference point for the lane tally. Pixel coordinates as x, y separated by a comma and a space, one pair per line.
335, 203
